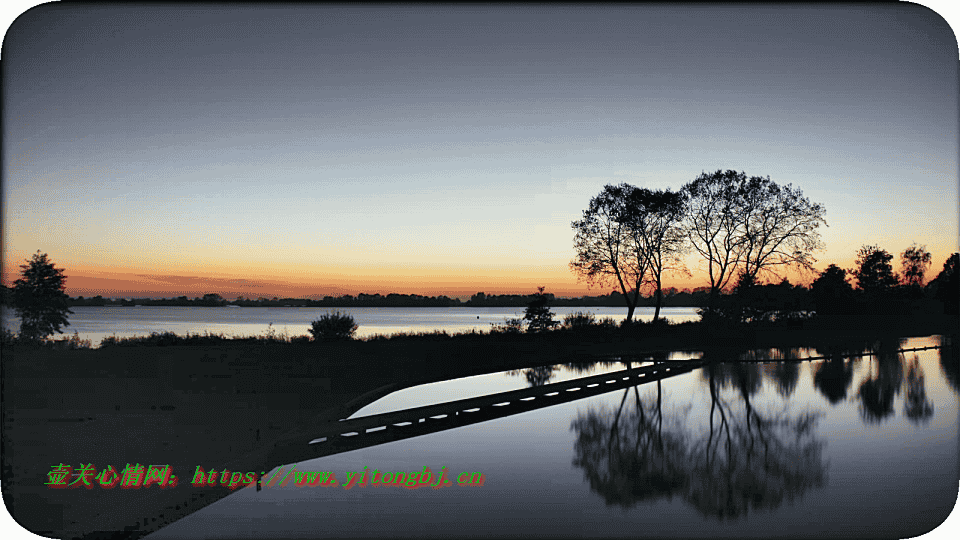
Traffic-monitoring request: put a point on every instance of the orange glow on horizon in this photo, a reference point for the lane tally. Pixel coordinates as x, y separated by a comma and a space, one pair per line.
460, 281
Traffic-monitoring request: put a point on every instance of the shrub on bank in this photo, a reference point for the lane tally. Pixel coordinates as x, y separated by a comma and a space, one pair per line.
71, 343
579, 320
334, 326
509, 326
164, 339
171, 339
8, 338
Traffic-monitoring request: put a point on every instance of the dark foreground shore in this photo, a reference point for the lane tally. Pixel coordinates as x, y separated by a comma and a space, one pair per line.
214, 406
241, 406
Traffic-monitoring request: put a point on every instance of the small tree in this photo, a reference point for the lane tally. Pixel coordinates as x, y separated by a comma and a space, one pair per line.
39, 299
946, 285
831, 293
212, 300
538, 316
509, 326
333, 327
579, 320
873, 272
914, 263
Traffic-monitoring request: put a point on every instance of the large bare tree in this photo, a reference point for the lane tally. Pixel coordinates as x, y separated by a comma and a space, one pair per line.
605, 251
750, 226
714, 223
779, 228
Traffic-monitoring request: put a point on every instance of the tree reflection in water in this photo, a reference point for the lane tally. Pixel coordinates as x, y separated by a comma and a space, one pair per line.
786, 375
950, 361
917, 408
628, 458
877, 393
541, 375
833, 377
879, 390
747, 460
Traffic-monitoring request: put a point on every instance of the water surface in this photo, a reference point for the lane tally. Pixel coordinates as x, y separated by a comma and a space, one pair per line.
96, 323
844, 448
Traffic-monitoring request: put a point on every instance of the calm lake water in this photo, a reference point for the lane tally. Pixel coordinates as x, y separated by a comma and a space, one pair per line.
846, 448
96, 323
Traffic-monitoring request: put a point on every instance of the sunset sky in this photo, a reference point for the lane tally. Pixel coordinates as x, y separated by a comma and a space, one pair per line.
303, 151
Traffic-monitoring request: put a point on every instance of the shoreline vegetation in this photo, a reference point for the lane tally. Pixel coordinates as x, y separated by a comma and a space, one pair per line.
748, 314
577, 330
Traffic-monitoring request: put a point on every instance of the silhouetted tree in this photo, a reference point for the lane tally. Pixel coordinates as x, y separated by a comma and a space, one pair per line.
764, 304
605, 252
538, 316
914, 262
740, 307
212, 299
655, 226
39, 298
750, 226
714, 224
780, 228
947, 285
832, 293
873, 271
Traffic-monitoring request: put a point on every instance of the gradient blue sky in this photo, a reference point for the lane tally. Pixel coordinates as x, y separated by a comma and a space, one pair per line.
158, 151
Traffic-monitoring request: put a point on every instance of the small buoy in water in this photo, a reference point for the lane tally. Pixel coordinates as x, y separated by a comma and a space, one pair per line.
478, 316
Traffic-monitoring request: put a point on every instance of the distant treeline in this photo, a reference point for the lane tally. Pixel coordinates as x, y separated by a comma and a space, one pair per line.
672, 298
878, 291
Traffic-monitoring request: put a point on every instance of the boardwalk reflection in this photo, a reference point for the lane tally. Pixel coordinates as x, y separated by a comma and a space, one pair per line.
363, 432
541, 375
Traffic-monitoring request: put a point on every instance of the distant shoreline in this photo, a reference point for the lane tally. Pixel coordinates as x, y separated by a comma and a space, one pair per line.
696, 298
